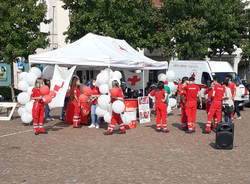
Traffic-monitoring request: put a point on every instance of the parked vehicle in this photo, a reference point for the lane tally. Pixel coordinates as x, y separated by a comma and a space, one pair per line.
206, 71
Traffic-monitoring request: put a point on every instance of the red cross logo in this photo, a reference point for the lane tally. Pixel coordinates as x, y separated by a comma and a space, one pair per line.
134, 80
122, 48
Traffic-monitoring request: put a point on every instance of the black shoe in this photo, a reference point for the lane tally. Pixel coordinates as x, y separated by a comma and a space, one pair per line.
43, 133
108, 133
166, 131
76, 127
157, 130
122, 132
36, 133
206, 132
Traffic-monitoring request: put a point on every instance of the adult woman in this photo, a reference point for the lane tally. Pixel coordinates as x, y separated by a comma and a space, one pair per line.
160, 106
95, 120
116, 118
74, 97
228, 102
237, 100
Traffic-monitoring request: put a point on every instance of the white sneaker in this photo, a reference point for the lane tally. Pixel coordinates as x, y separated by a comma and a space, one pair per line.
97, 126
92, 126
239, 117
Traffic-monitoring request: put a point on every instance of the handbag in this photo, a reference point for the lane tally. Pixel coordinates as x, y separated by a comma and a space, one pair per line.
228, 109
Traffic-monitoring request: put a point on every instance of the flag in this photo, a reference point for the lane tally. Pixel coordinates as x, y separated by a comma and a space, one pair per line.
60, 84
135, 80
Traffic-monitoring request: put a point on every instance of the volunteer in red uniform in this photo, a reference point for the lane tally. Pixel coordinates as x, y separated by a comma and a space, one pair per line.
160, 95
95, 120
191, 103
215, 108
116, 118
232, 87
182, 94
209, 93
38, 108
74, 97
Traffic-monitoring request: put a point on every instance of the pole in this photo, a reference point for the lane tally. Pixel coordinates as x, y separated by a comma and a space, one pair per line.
143, 90
53, 26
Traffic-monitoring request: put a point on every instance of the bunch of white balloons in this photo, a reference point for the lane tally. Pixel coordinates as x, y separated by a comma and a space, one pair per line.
104, 81
26, 84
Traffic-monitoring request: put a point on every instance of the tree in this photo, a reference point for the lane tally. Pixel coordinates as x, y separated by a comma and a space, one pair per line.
19, 28
134, 21
206, 27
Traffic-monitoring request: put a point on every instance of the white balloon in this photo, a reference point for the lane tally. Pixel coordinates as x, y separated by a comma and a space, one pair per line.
172, 102
100, 112
29, 90
31, 79
48, 72
162, 77
36, 71
109, 70
103, 77
29, 106
21, 110
172, 86
107, 118
104, 88
118, 106
23, 85
23, 98
170, 76
26, 118
126, 119
22, 76
116, 75
169, 110
103, 101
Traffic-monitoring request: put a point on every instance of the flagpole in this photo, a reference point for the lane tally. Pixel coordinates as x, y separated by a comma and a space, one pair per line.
143, 90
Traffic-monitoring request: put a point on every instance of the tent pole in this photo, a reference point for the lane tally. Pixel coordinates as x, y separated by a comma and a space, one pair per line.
143, 90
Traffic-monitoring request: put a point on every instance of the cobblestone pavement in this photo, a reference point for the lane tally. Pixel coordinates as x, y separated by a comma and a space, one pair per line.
85, 156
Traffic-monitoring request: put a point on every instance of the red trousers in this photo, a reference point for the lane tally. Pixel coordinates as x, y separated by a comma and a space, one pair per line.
191, 109
116, 118
77, 115
38, 116
183, 117
161, 116
214, 111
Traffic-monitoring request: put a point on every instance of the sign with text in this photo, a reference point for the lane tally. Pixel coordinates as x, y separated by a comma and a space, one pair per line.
144, 110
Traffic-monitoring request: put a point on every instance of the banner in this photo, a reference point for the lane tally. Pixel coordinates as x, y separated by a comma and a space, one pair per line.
130, 111
144, 110
135, 80
60, 84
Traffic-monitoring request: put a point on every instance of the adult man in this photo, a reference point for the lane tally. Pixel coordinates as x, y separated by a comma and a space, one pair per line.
215, 108
191, 103
232, 87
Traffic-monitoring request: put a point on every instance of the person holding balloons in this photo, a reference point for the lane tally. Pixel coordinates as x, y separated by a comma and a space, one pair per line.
74, 97
38, 108
160, 95
95, 120
116, 94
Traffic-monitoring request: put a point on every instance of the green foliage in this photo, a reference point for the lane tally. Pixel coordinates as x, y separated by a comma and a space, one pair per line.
198, 25
19, 28
134, 21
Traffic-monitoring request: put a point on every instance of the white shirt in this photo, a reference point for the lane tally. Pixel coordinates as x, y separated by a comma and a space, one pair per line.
229, 100
238, 94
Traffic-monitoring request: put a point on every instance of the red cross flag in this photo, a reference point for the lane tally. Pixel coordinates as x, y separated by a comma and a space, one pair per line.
135, 80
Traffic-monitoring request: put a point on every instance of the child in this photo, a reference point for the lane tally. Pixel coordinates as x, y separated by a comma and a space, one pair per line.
74, 97
38, 108
116, 118
160, 106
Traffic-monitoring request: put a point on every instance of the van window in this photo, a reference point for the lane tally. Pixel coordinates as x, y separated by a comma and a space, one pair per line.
205, 78
222, 76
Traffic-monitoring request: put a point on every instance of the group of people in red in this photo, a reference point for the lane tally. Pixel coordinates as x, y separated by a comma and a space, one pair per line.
80, 105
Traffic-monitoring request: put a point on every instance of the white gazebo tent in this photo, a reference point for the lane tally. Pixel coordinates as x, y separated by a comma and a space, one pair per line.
95, 51
98, 51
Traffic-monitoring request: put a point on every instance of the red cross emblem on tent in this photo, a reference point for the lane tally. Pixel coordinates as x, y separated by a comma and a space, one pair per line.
122, 48
134, 80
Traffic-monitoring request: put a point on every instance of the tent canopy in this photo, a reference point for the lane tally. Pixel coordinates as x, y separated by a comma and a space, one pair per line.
98, 51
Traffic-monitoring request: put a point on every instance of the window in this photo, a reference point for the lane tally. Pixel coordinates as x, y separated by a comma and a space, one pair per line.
205, 78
